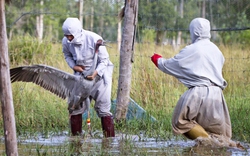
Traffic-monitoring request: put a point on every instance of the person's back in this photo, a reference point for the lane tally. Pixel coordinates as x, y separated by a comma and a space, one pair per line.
199, 64
202, 110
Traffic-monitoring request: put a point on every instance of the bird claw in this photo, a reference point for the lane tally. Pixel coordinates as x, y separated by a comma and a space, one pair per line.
71, 109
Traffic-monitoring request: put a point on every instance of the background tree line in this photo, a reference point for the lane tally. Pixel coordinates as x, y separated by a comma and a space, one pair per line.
159, 21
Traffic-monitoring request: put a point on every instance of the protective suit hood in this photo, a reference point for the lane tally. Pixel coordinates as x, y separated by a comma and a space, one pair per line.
72, 26
199, 29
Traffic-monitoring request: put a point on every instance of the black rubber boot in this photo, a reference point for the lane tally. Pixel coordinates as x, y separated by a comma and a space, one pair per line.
76, 124
108, 126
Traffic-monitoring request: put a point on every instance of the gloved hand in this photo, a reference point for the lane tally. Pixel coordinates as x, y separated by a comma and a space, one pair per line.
155, 58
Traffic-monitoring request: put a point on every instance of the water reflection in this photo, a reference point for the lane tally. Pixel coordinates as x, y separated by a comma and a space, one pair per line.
120, 145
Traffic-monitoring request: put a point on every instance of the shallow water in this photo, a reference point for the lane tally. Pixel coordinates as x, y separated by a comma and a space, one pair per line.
120, 145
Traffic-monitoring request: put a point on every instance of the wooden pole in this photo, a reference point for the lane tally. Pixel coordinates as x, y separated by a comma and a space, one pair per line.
80, 11
5, 89
126, 58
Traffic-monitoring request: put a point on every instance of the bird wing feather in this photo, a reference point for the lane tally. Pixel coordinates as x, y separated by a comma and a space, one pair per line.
54, 80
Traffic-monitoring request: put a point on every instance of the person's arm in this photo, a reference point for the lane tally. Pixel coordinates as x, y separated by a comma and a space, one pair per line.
101, 66
103, 60
68, 56
78, 68
69, 59
71, 62
169, 66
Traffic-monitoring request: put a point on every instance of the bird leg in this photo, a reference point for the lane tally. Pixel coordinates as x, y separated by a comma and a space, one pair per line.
74, 103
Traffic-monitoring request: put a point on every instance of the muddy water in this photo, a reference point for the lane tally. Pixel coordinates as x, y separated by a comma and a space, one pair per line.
120, 145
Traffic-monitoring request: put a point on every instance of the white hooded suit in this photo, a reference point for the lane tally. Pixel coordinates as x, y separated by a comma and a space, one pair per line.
80, 51
199, 67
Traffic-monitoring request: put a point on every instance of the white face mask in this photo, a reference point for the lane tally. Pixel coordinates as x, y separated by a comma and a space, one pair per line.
77, 38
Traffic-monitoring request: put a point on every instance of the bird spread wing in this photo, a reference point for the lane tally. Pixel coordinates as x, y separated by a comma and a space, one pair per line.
54, 80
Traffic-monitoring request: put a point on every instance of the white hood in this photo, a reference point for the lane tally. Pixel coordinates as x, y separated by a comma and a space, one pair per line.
199, 29
72, 26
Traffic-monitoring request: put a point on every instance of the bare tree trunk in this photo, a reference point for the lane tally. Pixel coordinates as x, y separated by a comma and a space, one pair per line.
199, 7
173, 41
159, 37
204, 9
178, 42
80, 11
214, 34
39, 23
5, 90
119, 34
126, 58
92, 19
101, 22
86, 22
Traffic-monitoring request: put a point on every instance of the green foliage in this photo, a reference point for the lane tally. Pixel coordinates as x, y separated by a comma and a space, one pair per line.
164, 17
148, 35
242, 36
23, 49
157, 15
245, 37
37, 110
240, 119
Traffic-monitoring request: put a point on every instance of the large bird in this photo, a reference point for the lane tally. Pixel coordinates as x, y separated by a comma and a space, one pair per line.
76, 88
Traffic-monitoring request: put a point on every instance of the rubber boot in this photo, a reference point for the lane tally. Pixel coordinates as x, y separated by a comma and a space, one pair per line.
108, 126
195, 132
76, 124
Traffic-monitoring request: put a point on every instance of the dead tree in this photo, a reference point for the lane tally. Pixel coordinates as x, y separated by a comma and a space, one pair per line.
39, 23
5, 90
129, 14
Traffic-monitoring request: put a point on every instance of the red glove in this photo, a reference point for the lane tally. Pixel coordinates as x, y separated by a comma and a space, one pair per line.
155, 58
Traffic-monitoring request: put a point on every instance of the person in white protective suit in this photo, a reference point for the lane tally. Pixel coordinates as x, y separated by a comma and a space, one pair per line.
79, 48
202, 110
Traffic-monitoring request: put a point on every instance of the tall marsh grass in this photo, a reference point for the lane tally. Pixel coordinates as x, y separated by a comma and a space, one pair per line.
38, 110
